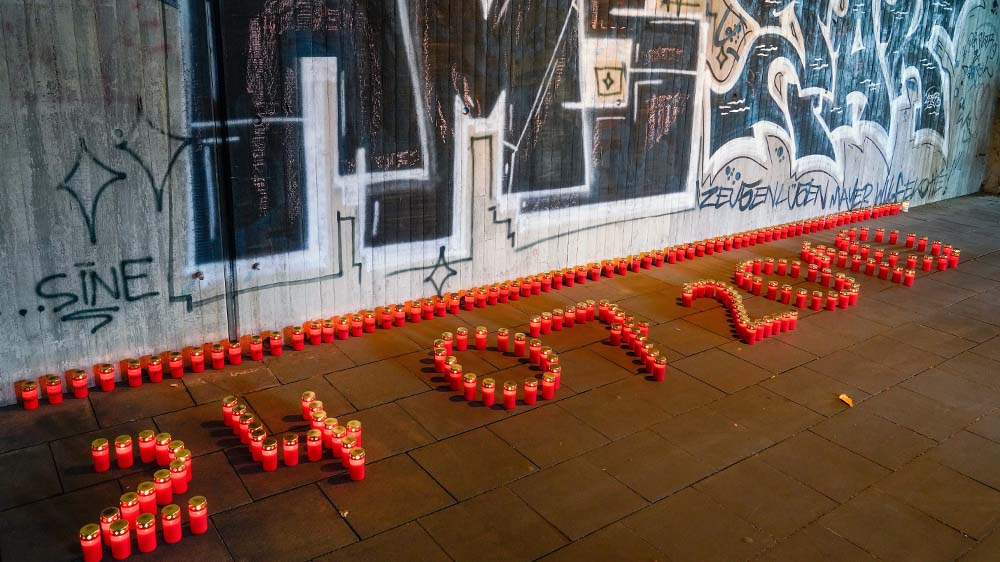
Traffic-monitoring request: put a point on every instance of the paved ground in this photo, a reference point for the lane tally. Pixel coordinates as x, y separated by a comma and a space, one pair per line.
743, 453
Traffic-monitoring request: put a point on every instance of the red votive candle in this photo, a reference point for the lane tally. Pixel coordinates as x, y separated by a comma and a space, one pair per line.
327, 331
942, 263
238, 411
357, 323
548, 386
178, 476
123, 451
290, 449
481, 338
256, 348
197, 358
269, 455
163, 449
615, 335
337, 435
121, 540
660, 368
469, 386
217, 355
78, 382
530, 391
832, 298
535, 326
90, 543
893, 258
928, 262
329, 424
569, 316
816, 302
879, 234
503, 340
935, 247
385, 318
883, 270
354, 430
520, 342
908, 277
795, 269
897, 275
509, 395
399, 315
314, 329
146, 492
461, 338
556, 370
368, 319
100, 453
488, 392
235, 352
257, 437
493, 295
198, 515
535, 351
298, 338
786, 294
145, 532
170, 520
800, 298
504, 295
314, 445
128, 505
106, 377
185, 455
357, 463
772, 290
108, 516
455, 376
317, 419
439, 353
922, 244
953, 258
843, 299
346, 444
305, 399
53, 389
172, 449
175, 362
275, 344
133, 372
147, 446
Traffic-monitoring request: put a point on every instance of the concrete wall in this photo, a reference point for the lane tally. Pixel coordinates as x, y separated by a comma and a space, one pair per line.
991, 179
169, 180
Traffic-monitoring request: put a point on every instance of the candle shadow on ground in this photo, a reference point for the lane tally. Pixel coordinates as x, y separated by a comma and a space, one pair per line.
336, 467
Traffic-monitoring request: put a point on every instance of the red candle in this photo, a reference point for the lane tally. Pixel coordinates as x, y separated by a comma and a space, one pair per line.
772, 290
133, 370
660, 368
128, 505
908, 277
615, 337
503, 340
481, 298
509, 395
145, 532
235, 352
942, 263
520, 342
357, 322
569, 316
170, 520
488, 392
953, 258
106, 377
455, 376
121, 540
556, 371
317, 419
506, 293
175, 362
123, 451
354, 430
327, 331
800, 298
446, 341
314, 445
535, 326
185, 456
399, 315
314, 329
77, 380
535, 351
290, 449
275, 343
257, 437
469, 386
147, 446
481, 338
922, 244
238, 411
935, 247
108, 516
546, 322
832, 298
217, 355
548, 386
494, 295
530, 391
100, 453
162, 449
786, 294
328, 426
928, 262
198, 515
337, 435
197, 358
298, 338
346, 444
146, 492
269, 455
357, 463
256, 348
90, 543
178, 476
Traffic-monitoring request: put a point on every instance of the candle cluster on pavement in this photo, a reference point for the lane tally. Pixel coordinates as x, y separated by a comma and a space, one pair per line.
750, 330
325, 331
325, 433
136, 512
844, 294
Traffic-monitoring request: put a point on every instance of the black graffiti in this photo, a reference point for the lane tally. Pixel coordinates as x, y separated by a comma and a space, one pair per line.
92, 293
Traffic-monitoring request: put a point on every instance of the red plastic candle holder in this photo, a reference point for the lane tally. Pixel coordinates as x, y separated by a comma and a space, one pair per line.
548, 386
256, 348
178, 476
154, 369
108, 516
77, 381
146, 492
121, 540
198, 515
488, 392
314, 445
269, 455
123, 451
106, 377
530, 391
100, 454
175, 362
509, 395
90, 542
357, 463
354, 430
481, 338
128, 505
170, 521
535, 351
503, 340
469, 386
145, 532
235, 352
197, 358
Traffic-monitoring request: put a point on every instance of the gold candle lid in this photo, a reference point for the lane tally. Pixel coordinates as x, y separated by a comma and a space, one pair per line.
503, 332
258, 434
106, 368
128, 499
154, 360
171, 511
246, 418
530, 382
123, 441
296, 330
177, 465
357, 454
535, 343
509, 386
145, 521
161, 476
90, 531
239, 410
109, 514
555, 369
316, 405
450, 360
184, 455
348, 442
269, 444
274, 336
319, 416
339, 432
469, 378
77, 374
314, 435
446, 336
330, 423
119, 528
197, 503
197, 351
176, 356
218, 348
518, 336
353, 426
52, 380
230, 401
146, 488
175, 445
99, 444
549, 377
290, 439
481, 330
455, 368
489, 383
462, 331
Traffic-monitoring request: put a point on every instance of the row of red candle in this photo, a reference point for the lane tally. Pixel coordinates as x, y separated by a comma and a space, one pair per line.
396, 315
942, 257
117, 524
160, 448
823, 257
845, 293
750, 331
911, 240
625, 330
